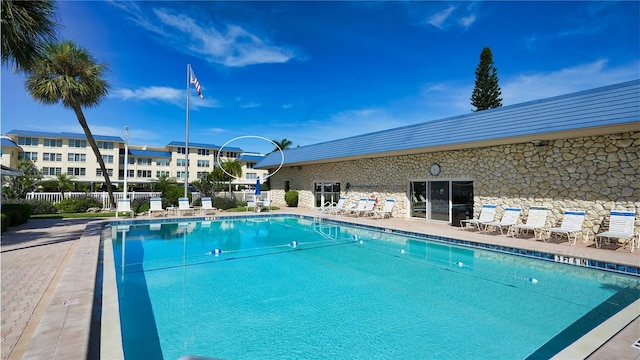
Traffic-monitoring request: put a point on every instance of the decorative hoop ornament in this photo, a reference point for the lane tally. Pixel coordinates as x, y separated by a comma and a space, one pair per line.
219, 161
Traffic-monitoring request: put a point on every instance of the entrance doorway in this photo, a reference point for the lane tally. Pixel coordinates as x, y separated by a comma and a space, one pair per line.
326, 192
440, 200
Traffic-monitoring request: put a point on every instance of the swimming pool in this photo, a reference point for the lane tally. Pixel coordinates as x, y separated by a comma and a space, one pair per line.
287, 287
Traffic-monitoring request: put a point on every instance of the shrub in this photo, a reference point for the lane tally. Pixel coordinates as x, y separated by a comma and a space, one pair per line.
78, 205
291, 198
173, 192
140, 205
42, 207
223, 203
15, 214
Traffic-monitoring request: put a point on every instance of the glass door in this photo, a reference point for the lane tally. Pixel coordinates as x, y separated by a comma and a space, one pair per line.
326, 192
439, 200
418, 199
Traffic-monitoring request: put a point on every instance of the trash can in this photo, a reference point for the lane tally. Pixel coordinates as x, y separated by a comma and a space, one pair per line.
458, 213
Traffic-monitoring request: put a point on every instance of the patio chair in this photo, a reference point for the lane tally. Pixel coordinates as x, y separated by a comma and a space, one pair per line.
362, 203
536, 221
251, 204
369, 205
510, 217
183, 206
266, 204
335, 208
385, 211
207, 207
487, 214
155, 205
124, 205
570, 227
621, 226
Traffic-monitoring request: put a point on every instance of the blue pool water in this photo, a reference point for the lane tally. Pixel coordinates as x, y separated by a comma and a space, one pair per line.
284, 288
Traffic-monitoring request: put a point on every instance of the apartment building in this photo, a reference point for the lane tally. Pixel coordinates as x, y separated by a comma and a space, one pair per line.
69, 153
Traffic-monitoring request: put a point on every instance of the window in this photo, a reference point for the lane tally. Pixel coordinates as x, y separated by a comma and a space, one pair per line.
162, 173
77, 143
203, 163
131, 173
27, 141
28, 155
181, 162
144, 161
76, 157
99, 172
230, 154
131, 160
52, 143
106, 145
201, 174
51, 157
250, 165
181, 175
162, 162
252, 176
76, 171
181, 150
108, 159
203, 151
51, 171
144, 173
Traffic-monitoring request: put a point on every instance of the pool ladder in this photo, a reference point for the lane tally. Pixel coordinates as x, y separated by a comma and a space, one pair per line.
326, 230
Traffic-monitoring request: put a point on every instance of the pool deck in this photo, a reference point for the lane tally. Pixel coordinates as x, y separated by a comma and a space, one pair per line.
46, 309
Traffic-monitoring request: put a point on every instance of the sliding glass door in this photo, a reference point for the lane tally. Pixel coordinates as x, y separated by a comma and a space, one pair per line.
326, 192
438, 200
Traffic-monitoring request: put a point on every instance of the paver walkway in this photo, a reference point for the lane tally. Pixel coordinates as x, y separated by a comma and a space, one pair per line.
32, 256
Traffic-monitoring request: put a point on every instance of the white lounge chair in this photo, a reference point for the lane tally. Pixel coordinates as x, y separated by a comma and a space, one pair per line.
334, 207
368, 207
570, 227
362, 203
385, 211
124, 205
536, 221
510, 217
155, 205
621, 226
487, 214
183, 206
207, 207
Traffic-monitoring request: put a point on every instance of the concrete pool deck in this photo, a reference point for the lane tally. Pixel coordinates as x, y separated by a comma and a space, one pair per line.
46, 309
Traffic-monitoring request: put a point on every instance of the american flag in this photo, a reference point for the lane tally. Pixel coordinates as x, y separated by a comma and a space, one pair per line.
195, 83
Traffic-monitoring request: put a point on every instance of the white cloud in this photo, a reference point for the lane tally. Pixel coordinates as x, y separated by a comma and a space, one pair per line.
438, 19
152, 92
230, 45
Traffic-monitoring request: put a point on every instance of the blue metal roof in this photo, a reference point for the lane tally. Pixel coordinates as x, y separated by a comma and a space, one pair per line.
64, 135
254, 158
203, 146
149, 153
6, 142
545, 119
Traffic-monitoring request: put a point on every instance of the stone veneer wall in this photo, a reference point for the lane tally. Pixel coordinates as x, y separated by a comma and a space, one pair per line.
597, 174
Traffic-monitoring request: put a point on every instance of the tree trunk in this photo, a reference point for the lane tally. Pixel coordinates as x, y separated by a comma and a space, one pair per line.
96, 151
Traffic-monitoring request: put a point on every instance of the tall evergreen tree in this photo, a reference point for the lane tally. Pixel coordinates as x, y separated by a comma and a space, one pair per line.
486, 94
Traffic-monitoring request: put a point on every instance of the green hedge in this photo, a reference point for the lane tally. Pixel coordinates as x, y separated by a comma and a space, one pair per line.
15, 214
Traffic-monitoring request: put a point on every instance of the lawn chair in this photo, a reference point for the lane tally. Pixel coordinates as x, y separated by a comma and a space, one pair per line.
621, 226
536, 221
510, 217
183, 206
207, 207
487, 214
155, 205
385, 211
124, 205
570, 227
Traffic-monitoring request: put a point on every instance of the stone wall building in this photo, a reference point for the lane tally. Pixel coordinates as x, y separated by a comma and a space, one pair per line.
578, 151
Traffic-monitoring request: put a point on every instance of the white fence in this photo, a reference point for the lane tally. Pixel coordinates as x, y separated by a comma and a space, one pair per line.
56, 197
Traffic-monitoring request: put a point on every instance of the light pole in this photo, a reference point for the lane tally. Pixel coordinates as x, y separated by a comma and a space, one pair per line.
126, 160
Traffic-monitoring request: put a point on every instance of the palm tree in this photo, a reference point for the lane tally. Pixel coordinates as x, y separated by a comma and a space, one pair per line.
282, 144
232, 167
68, 73
64, 183
27, 26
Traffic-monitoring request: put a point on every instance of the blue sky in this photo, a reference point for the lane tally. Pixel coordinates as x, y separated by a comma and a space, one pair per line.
317, 71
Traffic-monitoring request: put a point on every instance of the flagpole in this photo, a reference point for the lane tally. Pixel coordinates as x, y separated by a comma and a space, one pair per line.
186, 139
